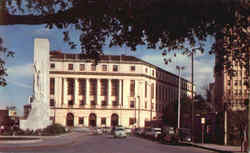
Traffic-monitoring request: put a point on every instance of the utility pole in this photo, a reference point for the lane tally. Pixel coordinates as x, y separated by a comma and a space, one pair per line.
192, 91
179, 93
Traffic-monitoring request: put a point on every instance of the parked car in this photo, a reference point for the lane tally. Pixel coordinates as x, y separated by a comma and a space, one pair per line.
153, 133
120, 132
98, 131
128, 131
168, 135
184, 134
106, 130
139, 131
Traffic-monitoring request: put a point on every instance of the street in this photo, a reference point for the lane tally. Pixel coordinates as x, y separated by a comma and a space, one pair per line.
107, 144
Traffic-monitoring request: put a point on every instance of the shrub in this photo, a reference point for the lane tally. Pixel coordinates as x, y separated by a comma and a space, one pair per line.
53, 129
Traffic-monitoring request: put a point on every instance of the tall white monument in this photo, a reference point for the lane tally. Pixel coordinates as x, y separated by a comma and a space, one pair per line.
39, 116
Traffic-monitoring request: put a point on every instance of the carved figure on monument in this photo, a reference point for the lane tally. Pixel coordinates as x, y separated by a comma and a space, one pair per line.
39, 115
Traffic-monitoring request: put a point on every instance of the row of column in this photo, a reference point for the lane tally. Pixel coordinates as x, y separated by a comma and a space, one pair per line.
62, 85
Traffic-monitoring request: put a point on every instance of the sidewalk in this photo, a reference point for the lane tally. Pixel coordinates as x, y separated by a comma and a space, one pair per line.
218, 148
44, 141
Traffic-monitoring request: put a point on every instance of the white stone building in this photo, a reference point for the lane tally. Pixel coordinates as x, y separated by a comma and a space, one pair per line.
120, 90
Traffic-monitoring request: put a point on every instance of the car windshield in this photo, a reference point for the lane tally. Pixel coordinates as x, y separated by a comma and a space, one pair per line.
119, 129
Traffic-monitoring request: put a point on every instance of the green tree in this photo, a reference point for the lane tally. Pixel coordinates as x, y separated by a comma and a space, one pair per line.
160, 24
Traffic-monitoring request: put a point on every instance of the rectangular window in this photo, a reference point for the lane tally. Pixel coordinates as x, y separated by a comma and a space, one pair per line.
153, 73
70, 67
52, 65
52, 102
104, 68
82, 87
93, 67
235, 82
152, 91
70, 102
104, 103
115, 68
93, 103
146, 104
115, 103
146, 89
92, 87
82, 67
132, 88
82, 102
114, 87
146, 70
132, 121
81, 120
132, 68
104, 87
71, 86
132, 104
103, 120
52, 86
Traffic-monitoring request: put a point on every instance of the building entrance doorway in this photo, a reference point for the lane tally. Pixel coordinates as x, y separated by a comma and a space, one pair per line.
114, 120
70, 120
92, 120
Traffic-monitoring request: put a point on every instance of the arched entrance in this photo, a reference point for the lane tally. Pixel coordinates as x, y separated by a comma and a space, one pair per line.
70, 119
114, 120
92, 120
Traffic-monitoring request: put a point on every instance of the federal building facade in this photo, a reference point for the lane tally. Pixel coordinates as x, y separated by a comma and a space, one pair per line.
118, 90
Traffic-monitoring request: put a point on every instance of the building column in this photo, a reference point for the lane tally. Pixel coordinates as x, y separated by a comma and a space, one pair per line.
58, 93
87, 92
98, 94
109, 92
76, 91
120, 93
65, 94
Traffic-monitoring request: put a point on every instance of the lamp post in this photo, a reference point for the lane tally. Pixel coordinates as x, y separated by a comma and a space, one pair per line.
203, 121
179, 68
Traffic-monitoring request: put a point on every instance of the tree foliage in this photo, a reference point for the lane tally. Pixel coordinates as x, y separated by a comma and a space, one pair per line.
159, 24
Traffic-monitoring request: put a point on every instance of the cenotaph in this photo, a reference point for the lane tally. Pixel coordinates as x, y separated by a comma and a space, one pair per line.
39, 116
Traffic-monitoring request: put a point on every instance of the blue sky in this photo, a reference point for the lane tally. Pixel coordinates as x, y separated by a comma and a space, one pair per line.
20, 38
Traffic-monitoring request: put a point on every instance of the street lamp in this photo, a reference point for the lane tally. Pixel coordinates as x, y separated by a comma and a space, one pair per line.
203, 121
179, 68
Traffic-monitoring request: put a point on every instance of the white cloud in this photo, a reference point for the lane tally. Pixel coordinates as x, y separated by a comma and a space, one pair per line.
20, 71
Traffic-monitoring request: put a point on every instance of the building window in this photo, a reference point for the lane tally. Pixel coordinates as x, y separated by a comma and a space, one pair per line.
92, 87
153, 73
115, 103
70, 102
70, 67
146, 105
132, 104
103, 120
235, 82
115, 68
82, 103
104, 87
115, 87
82, 86
93, 103
146, 89
104, 68
52, 102
152, 91
82, 67
52, 65
132, 121
52, 86
146, 70
104, 103
81, 120
132, 68
70, 86
132, 88
93, 67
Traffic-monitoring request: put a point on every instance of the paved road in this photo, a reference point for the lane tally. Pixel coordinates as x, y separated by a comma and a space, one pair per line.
107, 144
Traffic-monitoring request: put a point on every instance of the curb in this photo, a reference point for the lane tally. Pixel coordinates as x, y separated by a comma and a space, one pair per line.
211, 149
